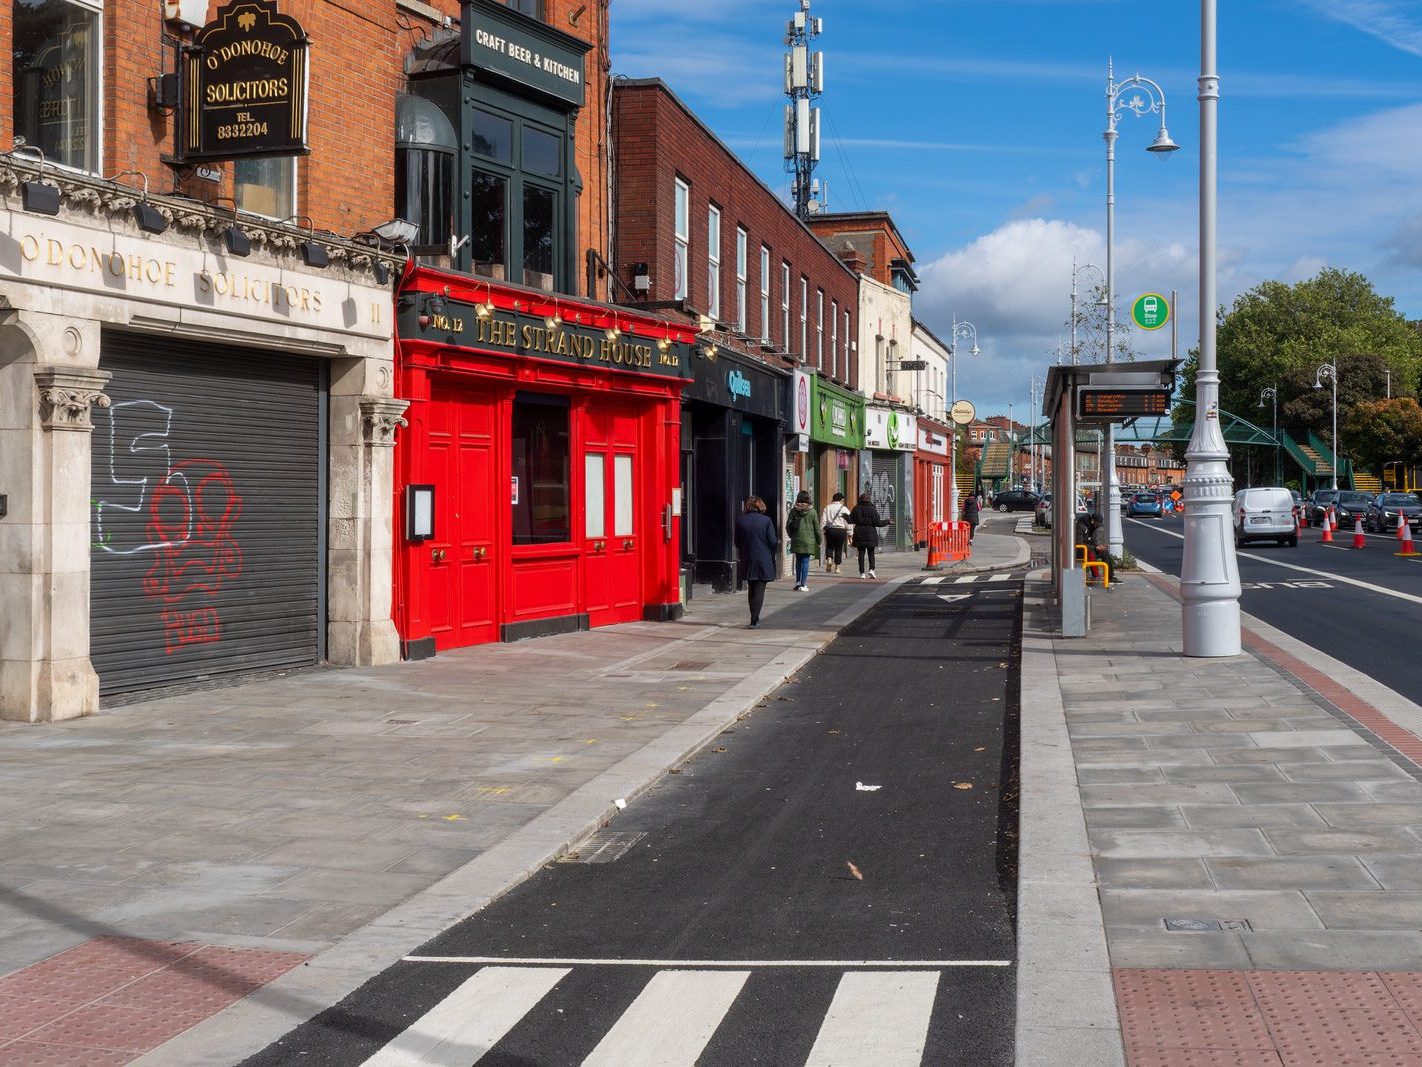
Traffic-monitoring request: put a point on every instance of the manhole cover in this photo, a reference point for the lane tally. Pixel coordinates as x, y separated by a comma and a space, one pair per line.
401, 722
603, 847
1196, 926
691, 665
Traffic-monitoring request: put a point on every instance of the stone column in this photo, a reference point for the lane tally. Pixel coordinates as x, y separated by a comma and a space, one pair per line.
360, 557
45, 428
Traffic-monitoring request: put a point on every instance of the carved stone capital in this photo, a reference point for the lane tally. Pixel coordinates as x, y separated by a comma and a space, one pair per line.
380, 418
67, 396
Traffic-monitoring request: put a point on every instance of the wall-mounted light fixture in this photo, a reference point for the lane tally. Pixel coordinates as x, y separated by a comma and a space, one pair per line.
435, 304
486, 309
313, 253
710, 351
234, 238
555, 319
37, 195
148, 217
614, 331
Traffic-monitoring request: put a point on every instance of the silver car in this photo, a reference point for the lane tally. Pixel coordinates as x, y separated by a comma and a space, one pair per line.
1265, 515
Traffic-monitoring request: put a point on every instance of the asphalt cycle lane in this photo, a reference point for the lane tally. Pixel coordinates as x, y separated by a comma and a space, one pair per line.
1360, 607
832, 881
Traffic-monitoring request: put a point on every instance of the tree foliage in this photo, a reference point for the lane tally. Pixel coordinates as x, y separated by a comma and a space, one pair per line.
1091, 330
1380, 431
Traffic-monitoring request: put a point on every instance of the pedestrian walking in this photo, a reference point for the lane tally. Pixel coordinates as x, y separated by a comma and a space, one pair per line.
865, 520
835, 521
971, 515
756, 544
802, 524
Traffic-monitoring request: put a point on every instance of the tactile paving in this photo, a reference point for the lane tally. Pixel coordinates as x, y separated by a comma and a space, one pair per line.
1185, 1009
1330, 1016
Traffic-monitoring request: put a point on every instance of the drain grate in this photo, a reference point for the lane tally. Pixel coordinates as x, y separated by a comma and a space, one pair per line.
605, 846
401, 722
691, 665
1199, 926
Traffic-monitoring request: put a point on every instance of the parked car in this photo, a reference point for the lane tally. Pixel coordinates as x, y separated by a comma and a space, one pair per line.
1015, 500
1143, 504
1316, 503
1351, 506
1384, 509
1265, 515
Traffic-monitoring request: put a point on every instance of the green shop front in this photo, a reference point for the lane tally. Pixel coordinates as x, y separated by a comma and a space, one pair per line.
836, 438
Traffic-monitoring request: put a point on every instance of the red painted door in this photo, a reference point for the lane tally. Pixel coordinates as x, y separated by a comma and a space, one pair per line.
461, 560
613, 498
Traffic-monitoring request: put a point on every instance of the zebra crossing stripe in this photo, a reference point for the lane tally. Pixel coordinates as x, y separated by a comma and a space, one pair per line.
999, 577
878, 1017
671, 1020
932, 581
465, 1025
966, 579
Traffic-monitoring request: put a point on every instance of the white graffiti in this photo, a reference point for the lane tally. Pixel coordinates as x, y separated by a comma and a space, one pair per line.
143, 426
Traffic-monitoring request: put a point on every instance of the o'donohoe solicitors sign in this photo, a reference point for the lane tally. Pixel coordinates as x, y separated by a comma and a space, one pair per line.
244, 86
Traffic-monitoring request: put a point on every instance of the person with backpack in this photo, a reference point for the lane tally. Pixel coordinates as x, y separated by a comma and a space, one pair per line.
866, 522
835, 520
804, 529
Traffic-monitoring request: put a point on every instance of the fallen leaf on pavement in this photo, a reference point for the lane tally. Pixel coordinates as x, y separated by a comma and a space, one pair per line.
980, 750
962, 785
719, 748
854, 870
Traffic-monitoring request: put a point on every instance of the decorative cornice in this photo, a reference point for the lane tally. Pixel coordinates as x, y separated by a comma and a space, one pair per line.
109, 200
380, 417
67, 396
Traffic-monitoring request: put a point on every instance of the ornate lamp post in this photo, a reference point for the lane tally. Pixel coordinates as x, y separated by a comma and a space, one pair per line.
1329, 371
1271, 393
1076, 270
961, 331
1209, 572
1137, 96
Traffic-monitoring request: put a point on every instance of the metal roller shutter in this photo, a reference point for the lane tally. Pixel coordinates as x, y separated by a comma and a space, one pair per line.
883, 486
207, 518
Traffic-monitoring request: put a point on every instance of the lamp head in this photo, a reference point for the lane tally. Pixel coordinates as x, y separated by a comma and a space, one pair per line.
975, 351
1162, 146
397, 231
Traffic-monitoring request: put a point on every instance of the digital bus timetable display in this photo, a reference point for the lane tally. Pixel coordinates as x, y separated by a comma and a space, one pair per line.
1112, 405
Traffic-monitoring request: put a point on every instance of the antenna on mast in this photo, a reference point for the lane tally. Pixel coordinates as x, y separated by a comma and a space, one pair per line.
804, 82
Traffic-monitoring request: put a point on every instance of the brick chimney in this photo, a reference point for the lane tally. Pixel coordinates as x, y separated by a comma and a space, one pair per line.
852, 258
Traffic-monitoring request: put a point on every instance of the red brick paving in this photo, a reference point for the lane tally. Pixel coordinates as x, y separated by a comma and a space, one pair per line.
1193, 1018
108, 1001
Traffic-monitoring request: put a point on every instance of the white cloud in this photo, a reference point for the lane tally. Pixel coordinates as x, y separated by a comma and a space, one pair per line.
1387, 20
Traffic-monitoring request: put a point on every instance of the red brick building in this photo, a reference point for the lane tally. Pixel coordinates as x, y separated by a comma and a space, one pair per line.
699, 237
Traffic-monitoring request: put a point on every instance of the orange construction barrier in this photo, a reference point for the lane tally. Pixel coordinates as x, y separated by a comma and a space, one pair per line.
959, 540
948, 542
1407, 549
1359, 538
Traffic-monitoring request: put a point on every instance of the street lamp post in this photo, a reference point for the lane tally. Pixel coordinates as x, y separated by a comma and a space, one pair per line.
961, 331
1209, 571
1330, 372
1271, 393
1076, 270
1139, 96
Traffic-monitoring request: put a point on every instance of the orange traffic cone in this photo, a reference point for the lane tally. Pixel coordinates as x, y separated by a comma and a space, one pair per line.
1333, 518
1303, 518
1401, 525
1407, 549
1327, 538
1359, 539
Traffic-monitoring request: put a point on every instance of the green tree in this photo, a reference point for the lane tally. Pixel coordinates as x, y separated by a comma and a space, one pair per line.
1380, 431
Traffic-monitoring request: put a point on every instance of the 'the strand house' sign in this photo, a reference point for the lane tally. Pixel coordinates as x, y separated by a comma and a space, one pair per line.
244, 91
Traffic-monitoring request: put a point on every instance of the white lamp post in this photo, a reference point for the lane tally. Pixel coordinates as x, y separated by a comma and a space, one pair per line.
1139, 96
1209, 572
961, 331
1271, 393
1329, 371
1076, 270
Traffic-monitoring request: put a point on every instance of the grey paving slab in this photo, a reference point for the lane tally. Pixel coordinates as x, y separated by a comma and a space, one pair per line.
1140, 844
1264, 909
1372, 770
1135, 817
1394, 792
1132, 947
1339, 737
1335, 950
1307, 793
1113, 795
1392, 839
1098, 775
1372, 814
1233, 816
1294, 872
1190, 873
1233, 773
1395, 910
1395, 872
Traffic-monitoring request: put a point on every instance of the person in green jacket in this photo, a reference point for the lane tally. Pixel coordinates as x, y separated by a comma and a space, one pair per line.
803, 526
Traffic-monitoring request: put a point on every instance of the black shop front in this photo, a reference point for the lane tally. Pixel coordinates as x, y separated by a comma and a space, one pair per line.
732, 428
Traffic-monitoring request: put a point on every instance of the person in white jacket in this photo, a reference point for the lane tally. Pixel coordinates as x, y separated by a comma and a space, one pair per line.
835, 520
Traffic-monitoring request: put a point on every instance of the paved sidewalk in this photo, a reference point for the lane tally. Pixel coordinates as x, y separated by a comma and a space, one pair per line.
168, 858
1221, 860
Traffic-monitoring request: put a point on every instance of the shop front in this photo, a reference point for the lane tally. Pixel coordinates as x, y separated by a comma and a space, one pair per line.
930, 479
537, 484
836, 439
890, 439
733, 421
195, 450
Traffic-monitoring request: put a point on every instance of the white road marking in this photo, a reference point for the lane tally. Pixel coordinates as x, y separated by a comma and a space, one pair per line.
880, 1018
843, 965
999, 577
1359, 583
952, 597
967, 579
465, 1025
671, 1020
932, 581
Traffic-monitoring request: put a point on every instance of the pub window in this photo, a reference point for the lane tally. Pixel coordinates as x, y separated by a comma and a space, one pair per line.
539, 226
55, 75
489, 197
683, 236
741, 269
493, 135
713, 262
541, 493
834, 338
265, 186
804, 319
846, 344
764, 295
531, 8
820, 328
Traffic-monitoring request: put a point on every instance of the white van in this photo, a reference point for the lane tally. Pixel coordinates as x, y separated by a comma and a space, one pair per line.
1265, 515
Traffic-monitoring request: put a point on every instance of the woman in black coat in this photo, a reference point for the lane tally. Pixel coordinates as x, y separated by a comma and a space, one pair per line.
757, 542
866, 522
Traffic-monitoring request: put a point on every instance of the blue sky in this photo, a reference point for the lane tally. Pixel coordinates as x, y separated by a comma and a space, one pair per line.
978, 124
